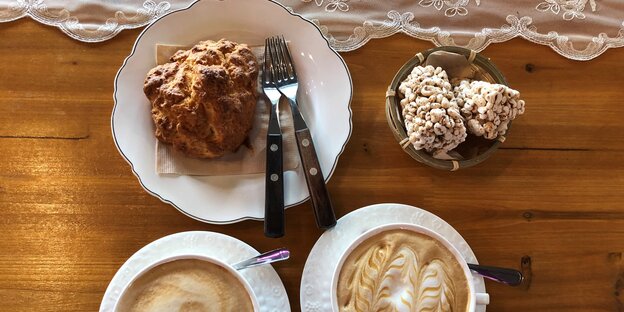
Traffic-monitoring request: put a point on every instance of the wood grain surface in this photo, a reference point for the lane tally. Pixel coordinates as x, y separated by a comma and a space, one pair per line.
71, 212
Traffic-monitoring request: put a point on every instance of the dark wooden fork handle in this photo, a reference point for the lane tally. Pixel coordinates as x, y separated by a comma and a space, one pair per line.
321, 202
274, 187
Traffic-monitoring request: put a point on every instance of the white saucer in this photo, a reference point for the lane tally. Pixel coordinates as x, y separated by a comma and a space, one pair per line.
264, 281
317, 275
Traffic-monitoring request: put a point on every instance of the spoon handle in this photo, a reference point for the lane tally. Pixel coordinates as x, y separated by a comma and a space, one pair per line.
510, 277
265, 258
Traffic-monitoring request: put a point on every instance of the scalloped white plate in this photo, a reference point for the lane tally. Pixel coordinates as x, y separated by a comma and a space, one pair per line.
264, 281
323, 259
324, 97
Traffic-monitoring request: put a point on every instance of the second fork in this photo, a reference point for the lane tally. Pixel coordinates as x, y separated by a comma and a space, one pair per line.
287, 83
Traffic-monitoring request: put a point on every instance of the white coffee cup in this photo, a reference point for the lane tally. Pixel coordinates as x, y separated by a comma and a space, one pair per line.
226, 266
474, 299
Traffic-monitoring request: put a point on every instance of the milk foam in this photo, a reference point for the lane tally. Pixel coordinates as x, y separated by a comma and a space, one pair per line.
186, 285
404, 271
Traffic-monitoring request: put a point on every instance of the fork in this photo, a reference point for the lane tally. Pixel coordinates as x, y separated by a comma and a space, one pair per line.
287, 83
274, 185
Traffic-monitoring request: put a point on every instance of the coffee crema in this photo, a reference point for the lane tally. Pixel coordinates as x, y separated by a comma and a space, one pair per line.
186, 285
402, 270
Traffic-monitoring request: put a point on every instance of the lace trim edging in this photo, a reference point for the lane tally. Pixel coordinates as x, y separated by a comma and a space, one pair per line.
517, 27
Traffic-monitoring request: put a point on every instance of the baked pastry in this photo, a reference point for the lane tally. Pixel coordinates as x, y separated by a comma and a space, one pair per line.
204, 99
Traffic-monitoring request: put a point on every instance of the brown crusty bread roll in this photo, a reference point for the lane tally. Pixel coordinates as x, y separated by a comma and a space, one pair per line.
204, 99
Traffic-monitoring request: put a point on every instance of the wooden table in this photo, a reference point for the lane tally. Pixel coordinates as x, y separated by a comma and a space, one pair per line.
71, 212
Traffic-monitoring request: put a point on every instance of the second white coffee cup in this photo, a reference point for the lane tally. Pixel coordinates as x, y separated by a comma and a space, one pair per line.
475, 298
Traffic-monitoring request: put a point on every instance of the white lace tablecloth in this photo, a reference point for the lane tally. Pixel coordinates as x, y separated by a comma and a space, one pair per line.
576, 29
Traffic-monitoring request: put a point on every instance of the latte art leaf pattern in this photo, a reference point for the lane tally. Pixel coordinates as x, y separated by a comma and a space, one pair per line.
398, 283
366, 295
435, 291
391, 278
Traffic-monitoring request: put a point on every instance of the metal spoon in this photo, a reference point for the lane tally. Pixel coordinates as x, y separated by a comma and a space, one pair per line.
510, 277
265, 258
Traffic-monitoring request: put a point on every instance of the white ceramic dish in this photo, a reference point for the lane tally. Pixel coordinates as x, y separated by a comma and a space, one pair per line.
265, 284
475, 299
316, 282
226, 266
325, 95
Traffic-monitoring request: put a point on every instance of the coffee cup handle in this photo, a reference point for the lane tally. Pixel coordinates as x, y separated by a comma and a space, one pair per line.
482, 299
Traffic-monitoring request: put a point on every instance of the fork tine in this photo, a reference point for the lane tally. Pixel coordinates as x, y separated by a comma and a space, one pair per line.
281, 59
277, 63
288, 62
266, 66
272, 62
288, 69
